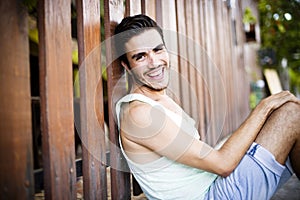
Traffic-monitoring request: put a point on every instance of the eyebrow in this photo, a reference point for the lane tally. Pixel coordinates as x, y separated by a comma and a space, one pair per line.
160, 46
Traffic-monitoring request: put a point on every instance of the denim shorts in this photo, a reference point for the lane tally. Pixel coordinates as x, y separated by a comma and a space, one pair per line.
256, 177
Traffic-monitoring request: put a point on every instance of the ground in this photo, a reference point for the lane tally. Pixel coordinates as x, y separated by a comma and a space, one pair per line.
289, 191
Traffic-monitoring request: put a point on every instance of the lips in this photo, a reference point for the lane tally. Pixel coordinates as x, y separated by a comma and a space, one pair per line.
156, 73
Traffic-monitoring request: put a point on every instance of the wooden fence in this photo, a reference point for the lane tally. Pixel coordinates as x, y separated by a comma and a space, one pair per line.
209, 80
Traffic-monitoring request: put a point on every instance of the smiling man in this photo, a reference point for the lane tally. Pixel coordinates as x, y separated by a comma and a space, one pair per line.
149, 61
162, 146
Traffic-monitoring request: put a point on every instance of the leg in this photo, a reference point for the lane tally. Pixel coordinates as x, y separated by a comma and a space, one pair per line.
281, 135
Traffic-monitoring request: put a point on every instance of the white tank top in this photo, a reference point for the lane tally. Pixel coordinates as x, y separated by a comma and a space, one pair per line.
164, 178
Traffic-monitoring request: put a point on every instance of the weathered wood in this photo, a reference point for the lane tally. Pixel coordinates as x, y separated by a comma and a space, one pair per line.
204, 71
199, 71
120, 176
16, 168
143, 6
56, 92
158, 12
182, 57
150, 8
191, 57
171, 39
135, 7
209, 109
91, 100
220, 60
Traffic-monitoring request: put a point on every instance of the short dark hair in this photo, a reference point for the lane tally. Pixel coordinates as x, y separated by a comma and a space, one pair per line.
129, 27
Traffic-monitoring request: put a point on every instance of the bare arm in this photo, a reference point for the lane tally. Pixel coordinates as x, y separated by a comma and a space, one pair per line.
151, 128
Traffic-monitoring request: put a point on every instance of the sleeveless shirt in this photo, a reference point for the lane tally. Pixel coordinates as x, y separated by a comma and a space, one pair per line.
165, 178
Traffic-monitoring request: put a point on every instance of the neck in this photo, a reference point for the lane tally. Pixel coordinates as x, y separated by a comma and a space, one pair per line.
151, 93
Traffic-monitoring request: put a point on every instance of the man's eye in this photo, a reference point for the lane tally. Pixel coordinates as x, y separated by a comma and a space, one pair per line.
139, 57
158, 49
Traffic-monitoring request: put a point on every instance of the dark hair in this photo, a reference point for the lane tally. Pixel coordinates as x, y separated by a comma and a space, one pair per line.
129, 27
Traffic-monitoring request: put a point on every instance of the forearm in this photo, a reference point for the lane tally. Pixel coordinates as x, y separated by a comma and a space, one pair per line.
236, 146
233, 150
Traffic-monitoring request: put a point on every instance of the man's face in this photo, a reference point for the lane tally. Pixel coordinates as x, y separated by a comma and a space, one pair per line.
148, 60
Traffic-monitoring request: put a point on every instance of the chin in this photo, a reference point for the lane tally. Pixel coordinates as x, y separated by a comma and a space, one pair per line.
157, 87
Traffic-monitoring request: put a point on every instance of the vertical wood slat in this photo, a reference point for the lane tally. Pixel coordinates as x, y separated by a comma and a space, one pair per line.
226, 64
199, 68
158, 12
216, 79
191, 58
56, 92
150, 8
120, 178
135, 7
169, 26
220, 57
91, 100
203, 43
230, 61
244, 108
16, 168
206, 60
182, 58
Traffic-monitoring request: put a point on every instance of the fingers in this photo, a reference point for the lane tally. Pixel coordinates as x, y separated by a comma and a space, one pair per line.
277, 100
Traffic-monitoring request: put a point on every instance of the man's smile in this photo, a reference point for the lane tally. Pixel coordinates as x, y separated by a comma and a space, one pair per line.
157, 73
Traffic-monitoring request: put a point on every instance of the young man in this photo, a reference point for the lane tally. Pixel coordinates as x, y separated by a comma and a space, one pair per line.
161, 143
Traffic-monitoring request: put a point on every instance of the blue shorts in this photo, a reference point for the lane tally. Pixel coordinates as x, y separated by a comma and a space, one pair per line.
256, 177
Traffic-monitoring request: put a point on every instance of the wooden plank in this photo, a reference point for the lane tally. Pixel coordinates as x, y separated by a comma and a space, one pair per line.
273, 81
150, 8
158, 12
56, 92
206, 38
220, 103
229, 65
182, 58
16, 168
91, 100
143, 7
120, 177
204, 70
199, 68
243, 85
169, 26
191, 61
135, 7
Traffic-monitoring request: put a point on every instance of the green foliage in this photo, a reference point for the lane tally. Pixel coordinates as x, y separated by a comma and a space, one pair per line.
280, 25
31, 6
248, 16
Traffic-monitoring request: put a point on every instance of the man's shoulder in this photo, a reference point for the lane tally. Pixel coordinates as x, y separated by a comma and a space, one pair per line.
137, 112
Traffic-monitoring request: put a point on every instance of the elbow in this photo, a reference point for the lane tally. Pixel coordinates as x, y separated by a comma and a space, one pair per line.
225, 173
225, 170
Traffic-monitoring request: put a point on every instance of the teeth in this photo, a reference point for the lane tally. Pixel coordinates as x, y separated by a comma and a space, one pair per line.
156, 73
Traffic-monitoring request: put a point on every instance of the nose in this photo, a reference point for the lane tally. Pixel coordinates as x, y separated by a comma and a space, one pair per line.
152, 60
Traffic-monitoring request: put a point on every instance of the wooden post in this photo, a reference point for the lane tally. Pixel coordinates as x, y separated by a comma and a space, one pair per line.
182, 58
16, 167
149, 9
91, 99
56, 91
169, 26
191, 58
199, 67
120, 178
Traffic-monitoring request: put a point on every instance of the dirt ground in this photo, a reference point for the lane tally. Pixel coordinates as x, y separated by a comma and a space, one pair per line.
289, 191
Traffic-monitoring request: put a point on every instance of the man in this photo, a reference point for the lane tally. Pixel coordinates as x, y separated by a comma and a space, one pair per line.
161, 143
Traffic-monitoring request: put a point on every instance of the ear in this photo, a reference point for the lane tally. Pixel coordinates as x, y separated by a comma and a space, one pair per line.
126, 67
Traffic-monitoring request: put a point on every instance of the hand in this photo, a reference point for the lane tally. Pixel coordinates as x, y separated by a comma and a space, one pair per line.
275, 101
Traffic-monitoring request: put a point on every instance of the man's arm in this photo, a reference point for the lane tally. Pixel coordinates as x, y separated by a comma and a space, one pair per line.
152, 128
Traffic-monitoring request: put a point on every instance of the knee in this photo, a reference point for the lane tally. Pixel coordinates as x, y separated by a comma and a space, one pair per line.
290, 109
